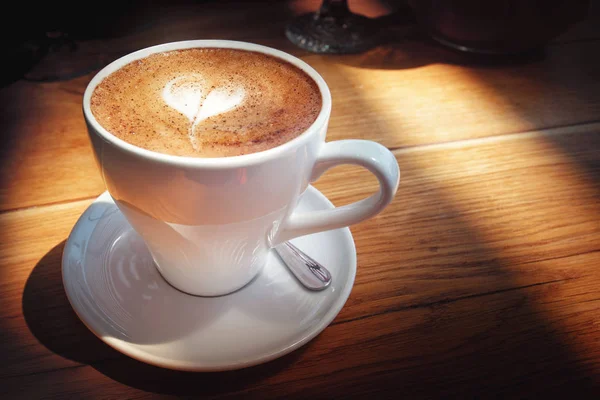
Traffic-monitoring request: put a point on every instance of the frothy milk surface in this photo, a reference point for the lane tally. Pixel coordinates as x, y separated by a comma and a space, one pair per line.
207, 102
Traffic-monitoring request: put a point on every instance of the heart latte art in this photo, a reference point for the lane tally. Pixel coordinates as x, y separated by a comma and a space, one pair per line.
189, 96
207, 102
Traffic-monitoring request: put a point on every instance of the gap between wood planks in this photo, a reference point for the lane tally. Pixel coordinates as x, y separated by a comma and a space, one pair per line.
579, 128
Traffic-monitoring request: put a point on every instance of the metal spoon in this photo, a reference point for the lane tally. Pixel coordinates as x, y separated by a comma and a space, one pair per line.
309, 272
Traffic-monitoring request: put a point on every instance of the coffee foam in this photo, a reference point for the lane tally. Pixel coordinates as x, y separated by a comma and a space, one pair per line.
207, 102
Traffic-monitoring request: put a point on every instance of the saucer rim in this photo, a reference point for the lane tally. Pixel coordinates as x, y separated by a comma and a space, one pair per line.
147, 357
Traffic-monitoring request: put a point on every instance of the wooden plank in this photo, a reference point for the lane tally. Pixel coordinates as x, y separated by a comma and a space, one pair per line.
534, 342
491, 216
31, 287
473, 218
415, 93
405, 94
46, 154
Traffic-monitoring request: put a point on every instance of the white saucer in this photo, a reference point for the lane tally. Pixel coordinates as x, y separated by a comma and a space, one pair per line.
113, 286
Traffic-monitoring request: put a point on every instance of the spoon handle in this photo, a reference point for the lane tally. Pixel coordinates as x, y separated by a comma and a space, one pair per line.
309, 272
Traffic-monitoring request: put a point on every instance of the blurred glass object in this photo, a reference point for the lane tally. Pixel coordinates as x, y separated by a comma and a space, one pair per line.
498, 26
333, 29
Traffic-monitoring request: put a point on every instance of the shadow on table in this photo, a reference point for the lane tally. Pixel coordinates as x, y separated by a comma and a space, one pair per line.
53, 322
583, 150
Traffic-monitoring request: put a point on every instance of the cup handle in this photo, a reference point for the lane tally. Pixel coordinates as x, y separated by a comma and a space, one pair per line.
371, 155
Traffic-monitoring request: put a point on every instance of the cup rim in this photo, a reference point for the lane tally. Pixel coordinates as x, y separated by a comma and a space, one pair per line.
208, 162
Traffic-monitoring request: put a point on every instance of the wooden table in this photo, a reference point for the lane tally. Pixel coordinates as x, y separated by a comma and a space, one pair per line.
482, 278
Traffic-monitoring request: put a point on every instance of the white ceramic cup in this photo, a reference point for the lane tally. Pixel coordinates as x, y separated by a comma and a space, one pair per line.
209, 223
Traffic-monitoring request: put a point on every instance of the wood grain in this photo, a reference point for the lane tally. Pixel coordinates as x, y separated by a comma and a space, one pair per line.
402, 94
478, 213
497, 346
414, 93
480, 275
